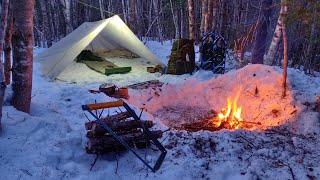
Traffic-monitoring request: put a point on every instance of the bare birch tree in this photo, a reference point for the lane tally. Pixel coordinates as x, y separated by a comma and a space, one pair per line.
7, 49
67, 15
276, 37
101, 9
4, 15
191, 19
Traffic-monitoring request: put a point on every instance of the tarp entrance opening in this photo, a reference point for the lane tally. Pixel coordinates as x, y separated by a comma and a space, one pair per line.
100, 64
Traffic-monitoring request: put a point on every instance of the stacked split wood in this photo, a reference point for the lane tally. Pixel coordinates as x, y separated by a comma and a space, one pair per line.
130, 131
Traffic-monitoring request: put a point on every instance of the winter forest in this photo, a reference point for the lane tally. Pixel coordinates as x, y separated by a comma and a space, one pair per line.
160, 89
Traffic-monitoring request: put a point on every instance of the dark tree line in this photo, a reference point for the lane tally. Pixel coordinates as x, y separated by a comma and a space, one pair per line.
247, 25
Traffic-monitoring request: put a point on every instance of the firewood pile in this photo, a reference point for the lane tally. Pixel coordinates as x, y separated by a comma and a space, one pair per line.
123, 130
131, 131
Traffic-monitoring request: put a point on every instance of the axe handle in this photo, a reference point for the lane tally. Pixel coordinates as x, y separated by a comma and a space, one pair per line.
102, 105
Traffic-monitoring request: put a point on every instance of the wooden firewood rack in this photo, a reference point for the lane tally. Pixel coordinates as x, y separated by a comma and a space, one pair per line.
120, 103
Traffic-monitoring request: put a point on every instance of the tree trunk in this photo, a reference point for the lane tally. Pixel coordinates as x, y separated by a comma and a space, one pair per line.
311, 48
22, 42
156, 5
45, 23
204, 14
182, 26
101, 9
284, 6
214, 14
175, 21
4, 15
191, 19
208, 18
140, 22
276, 37
7, 50
259, 46
67, 15
124, 11
132, 16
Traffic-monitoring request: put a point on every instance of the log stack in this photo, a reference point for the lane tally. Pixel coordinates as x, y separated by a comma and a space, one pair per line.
131, 131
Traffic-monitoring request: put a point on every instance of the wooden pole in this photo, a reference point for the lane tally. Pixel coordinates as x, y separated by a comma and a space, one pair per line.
285, 50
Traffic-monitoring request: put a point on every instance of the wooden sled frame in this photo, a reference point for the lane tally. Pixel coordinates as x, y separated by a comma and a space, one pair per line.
119, 103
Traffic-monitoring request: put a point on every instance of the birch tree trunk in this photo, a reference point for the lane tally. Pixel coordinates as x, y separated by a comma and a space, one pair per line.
4, 15
182, 27
101, 9
67, 14
7, 50
191, 19
276, 37
259, 45
22, 43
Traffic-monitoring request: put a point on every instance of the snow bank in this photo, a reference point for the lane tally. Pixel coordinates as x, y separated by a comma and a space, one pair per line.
259, 87
49, 143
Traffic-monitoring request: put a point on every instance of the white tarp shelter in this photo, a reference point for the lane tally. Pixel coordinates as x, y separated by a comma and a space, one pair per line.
108, 34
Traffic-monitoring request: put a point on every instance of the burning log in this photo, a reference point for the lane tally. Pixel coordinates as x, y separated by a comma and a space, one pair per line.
211, 125
108, 144
123, 126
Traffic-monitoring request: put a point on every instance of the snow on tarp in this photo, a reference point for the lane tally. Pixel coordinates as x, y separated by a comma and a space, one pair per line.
108, 34
259, 87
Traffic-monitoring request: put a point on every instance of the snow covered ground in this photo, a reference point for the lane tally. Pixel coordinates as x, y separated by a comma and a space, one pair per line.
49, 143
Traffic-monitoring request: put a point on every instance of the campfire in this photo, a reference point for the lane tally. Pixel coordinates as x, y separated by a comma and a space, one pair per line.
229, 117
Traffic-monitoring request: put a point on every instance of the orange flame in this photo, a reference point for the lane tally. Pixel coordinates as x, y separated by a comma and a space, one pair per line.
230, 117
